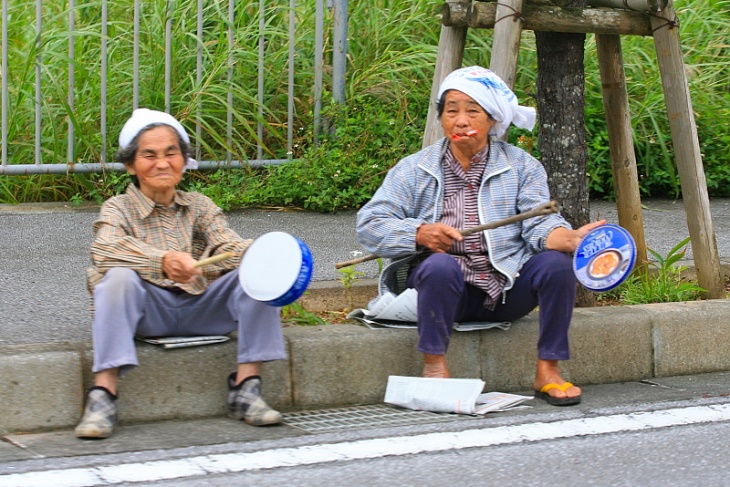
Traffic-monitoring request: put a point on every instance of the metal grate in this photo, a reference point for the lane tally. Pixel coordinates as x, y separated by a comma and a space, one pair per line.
379, 415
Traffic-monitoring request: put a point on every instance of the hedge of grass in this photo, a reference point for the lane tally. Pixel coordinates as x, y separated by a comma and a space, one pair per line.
392, 49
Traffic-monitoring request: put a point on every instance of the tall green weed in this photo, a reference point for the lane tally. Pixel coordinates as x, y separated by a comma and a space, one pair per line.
663, 282
391, 57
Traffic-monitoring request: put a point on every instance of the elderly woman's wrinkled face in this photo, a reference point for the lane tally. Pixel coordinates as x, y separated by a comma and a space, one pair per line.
464, 121
159, 162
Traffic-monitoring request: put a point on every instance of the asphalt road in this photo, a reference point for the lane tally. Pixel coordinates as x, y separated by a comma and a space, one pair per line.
44, 254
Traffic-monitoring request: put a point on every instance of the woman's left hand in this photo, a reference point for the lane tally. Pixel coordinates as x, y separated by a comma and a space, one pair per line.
566, 240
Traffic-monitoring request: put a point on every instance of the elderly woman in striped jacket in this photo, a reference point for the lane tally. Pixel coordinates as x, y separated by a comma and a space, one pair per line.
463, 180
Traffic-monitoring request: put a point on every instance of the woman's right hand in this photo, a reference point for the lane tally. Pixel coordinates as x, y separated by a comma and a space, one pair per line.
179, 266
437, 237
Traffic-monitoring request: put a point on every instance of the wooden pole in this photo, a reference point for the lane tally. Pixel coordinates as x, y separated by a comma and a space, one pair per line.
449, 57
555, 19
687, 152
640, 5
506, 44
621, 141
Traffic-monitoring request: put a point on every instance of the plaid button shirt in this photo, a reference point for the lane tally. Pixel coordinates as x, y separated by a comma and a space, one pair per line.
134, 232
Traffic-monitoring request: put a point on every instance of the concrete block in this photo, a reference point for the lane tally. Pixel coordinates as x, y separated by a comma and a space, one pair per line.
463, 355
190, 383
608, 344
508, 357
691, 337
344, 365
326, 296
40, 387
340, 365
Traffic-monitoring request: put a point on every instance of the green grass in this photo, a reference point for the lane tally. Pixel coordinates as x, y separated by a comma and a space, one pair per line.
663, 282
392, 48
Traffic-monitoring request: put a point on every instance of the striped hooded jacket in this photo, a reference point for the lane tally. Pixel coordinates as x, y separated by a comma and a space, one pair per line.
412, 194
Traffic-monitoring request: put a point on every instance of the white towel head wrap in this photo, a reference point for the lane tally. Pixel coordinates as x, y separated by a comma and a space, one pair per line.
144, 117
492, 94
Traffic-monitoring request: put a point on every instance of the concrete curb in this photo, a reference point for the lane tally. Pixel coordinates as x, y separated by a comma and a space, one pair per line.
42, 386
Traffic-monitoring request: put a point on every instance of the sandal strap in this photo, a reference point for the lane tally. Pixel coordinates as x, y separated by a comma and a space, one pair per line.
550, 386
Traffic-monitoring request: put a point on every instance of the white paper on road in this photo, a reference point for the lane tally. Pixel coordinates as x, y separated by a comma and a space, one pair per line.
498, 401
460, 396
391, 311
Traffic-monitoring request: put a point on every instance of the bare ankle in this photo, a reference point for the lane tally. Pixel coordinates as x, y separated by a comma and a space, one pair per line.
434, 366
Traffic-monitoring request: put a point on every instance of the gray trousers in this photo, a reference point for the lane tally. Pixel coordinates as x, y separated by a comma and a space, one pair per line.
127, 306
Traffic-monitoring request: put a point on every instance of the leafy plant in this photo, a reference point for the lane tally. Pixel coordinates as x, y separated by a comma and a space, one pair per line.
295, 313
348, 276
389, 75
663, 282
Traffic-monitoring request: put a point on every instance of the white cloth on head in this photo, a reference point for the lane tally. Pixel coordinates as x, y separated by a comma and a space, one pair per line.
144, 117
492, 94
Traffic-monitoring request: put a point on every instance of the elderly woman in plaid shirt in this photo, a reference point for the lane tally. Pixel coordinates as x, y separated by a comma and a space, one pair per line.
144, 281
464, 180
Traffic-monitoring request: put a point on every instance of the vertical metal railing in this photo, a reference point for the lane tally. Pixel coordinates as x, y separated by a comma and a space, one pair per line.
260, 85
318, 65
5, 82
103, 78
290, 82
38, 100
199, 73
168, 53
71, 79
231, 44
42, 162
339, 54
135, 56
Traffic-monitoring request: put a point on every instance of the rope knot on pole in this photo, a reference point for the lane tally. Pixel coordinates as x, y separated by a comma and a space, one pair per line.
515, 16
670, 23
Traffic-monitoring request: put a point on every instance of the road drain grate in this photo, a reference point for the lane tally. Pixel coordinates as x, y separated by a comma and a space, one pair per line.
379, 415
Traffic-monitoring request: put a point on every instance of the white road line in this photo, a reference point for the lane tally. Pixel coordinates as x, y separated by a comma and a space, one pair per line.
362, 449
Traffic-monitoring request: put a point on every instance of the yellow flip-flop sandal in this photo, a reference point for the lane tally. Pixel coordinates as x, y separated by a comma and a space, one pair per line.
556, 401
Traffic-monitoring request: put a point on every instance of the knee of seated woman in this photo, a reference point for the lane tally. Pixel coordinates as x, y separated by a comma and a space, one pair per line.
440, 265
554, 264
118, 277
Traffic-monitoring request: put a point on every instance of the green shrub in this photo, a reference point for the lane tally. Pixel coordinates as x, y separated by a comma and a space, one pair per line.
389, 74
295, 313
341, 171
662, 283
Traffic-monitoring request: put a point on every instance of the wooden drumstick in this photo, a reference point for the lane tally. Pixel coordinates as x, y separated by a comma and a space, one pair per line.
214, 259
546, 209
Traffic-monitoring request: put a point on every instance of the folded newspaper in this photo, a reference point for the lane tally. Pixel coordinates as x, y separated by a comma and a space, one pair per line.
182, 342
391, 311
460, 396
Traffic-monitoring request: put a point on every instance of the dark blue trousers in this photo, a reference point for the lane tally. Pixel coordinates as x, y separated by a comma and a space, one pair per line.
547, 281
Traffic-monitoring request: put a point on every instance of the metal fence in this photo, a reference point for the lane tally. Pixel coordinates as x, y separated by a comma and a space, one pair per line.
41, 106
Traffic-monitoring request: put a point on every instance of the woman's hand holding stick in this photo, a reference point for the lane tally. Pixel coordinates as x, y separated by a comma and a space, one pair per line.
546, 209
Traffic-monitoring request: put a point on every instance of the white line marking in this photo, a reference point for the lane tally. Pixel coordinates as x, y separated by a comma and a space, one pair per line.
362, 449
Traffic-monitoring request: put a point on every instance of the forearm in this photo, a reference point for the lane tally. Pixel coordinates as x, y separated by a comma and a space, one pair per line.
130, 253
219, 237
563, 240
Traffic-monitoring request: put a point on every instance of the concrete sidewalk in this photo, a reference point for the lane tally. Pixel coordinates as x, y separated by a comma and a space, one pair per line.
45, 348
42, 385
174, 440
